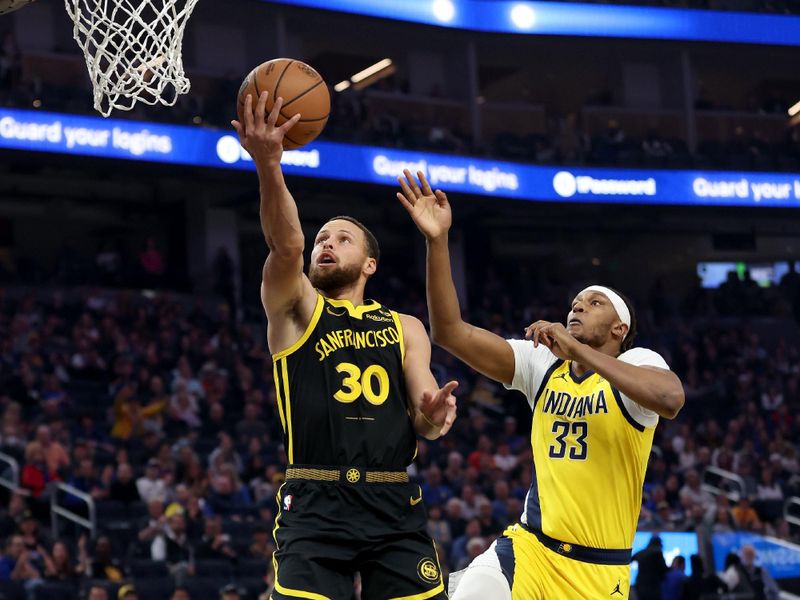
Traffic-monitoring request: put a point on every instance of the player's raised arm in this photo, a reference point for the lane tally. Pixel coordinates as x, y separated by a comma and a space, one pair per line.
285, 290
480, 349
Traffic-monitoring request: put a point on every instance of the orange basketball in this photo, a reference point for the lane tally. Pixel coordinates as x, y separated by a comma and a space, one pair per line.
303, 91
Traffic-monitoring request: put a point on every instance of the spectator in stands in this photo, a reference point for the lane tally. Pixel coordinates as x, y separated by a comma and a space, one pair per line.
455, 520
123, 488
35, 474
475, 547
652, 570
55, 455
261, 547
97, 592
228, 495
459, 553
14, 549
754, 579
768, 488
152, 486
184, 407
11, 514
744, 515
503, 459
183, 375
86, 481
213, 422
215, 544
674, 580
132, 419
103, 565
225, 454
438, 528
174, 546
252, 424
59, 566
434, 490
693, 492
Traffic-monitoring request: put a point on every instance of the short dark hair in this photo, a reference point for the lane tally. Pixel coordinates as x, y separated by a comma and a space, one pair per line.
627, 343
373, 249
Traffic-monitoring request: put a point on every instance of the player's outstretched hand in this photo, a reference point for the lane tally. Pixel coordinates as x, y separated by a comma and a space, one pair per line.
439, 408
429, 209
555, 336
260, 136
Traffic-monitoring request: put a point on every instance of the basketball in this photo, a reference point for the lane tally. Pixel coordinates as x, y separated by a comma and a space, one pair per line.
303, 91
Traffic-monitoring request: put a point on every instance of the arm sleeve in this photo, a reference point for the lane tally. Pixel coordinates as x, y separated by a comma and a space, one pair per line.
642, 357
530, 365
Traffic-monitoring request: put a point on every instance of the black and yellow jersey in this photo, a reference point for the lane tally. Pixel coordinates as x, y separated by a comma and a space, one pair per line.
341, 391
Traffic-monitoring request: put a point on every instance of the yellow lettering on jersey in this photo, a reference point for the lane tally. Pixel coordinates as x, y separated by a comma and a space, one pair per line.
333, 340
347, 338
360, 335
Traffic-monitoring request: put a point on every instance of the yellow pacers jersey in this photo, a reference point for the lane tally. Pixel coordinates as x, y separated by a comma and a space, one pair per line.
590, 449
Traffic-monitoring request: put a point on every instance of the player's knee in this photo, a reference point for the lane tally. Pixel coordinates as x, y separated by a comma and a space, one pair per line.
482, 582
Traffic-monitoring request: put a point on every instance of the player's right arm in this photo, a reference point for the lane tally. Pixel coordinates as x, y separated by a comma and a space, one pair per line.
482, 350
286, 293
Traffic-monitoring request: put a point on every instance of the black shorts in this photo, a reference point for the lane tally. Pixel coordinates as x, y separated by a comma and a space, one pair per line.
326, 531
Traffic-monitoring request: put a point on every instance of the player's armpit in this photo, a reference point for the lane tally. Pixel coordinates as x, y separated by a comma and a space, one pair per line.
484, 351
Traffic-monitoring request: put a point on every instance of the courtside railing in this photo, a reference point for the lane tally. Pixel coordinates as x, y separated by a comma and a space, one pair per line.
9, 472
719, 481
64, 511
791, 511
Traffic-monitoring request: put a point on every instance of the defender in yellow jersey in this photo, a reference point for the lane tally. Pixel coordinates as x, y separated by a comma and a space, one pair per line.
596, 401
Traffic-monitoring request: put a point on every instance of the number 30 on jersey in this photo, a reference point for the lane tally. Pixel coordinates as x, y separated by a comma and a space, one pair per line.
372, 383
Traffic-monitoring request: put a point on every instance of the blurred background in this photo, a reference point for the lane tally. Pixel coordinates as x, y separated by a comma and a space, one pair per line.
651, 147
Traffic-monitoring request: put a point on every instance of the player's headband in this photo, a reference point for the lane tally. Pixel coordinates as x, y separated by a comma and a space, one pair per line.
616, 301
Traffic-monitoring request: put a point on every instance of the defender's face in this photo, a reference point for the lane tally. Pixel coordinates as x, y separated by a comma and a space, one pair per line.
339, 256
591, 319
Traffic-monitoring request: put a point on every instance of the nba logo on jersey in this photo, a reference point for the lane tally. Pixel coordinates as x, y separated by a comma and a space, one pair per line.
287, 502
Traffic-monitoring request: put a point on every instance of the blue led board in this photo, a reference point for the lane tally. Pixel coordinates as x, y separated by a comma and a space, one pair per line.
567, 18
202, 147
780, 558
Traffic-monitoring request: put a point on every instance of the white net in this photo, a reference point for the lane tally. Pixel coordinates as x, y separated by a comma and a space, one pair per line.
132, 49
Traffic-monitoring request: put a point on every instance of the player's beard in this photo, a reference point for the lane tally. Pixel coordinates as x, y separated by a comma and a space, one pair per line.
329, 280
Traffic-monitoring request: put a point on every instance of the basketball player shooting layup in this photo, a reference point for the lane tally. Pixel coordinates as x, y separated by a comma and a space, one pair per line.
354, 386
596, 402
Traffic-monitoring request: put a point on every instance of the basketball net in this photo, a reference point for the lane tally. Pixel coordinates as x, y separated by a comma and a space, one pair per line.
132, 50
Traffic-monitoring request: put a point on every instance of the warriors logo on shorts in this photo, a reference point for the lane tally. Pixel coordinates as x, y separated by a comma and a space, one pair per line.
427, 570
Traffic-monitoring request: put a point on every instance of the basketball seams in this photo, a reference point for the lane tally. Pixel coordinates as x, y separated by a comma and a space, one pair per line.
300, 95
307, 120
280, 78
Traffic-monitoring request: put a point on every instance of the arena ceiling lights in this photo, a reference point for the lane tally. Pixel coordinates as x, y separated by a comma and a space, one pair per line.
577, 19
366, 77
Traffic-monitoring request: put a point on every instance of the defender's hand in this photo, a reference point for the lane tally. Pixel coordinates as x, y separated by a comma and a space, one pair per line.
439, 409
259, 136
430, 210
